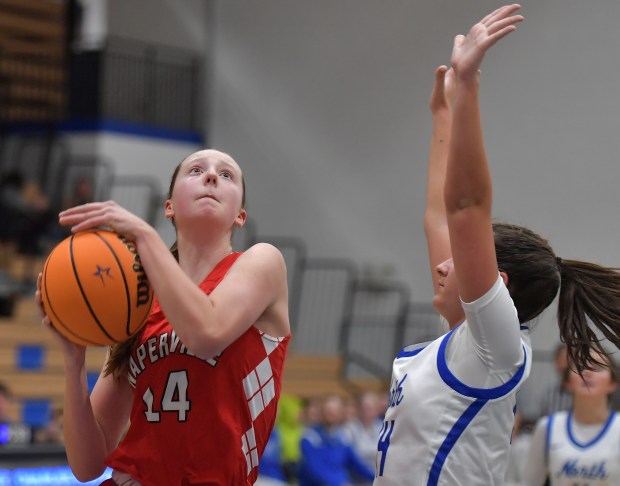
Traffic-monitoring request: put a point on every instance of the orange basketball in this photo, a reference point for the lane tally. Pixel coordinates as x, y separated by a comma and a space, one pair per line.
94, 289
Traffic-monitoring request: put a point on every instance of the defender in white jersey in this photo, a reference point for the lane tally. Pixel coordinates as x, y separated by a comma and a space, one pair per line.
452, 403
453, 421
580, 446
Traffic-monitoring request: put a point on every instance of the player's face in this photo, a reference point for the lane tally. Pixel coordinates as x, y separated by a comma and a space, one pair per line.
209, 184
446, 300
595, 383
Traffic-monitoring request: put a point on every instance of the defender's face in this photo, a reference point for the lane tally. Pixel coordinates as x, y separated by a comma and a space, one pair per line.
446, 300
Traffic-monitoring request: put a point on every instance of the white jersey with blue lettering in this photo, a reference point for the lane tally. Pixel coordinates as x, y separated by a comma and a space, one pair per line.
583, 455
452, 402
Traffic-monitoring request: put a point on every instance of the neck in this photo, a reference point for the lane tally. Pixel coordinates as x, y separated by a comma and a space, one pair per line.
455, 321
197, 259
590, 412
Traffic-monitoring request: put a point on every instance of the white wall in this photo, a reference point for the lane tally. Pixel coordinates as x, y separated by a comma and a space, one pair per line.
168, 22
134, 155
324, 105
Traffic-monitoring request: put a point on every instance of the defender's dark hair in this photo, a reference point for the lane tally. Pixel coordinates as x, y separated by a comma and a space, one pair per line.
587, 292
119, 354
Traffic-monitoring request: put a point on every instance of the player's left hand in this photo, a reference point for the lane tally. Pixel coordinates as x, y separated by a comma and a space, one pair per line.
442, 96
107, 214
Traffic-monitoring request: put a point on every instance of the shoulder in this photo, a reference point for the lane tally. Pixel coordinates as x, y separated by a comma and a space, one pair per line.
263, 253
262, 259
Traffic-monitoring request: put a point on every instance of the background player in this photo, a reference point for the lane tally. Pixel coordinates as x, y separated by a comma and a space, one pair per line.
582, 445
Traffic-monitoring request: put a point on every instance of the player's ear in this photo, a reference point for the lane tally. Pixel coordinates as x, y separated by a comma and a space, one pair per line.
241, 218
169, 211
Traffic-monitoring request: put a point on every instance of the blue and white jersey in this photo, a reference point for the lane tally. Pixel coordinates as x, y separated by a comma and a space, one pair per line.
583, 455
452, 402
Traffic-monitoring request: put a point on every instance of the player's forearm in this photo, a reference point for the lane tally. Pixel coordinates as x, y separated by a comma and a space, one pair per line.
85, 442
435, 220
468, 180
437, 162
186, 307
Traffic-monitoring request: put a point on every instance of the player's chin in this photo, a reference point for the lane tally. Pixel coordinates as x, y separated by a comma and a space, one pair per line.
438, 302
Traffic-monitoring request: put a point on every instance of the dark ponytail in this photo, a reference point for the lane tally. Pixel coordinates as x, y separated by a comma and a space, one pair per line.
589, 293
531, 266
174, 249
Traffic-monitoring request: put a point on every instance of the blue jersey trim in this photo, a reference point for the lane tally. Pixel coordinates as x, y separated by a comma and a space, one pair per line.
407, 353
569, 421
469, 391
457, 430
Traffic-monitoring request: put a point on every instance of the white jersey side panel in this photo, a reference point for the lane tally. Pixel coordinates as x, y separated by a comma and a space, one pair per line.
595, 462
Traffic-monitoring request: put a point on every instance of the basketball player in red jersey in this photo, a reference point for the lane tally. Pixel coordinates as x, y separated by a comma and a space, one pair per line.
200, 383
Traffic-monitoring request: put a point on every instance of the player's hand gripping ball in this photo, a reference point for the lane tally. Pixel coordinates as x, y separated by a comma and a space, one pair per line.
94, 289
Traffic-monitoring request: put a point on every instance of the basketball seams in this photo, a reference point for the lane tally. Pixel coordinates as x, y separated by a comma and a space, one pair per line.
127, 294
81, 306
57, 319
84, 296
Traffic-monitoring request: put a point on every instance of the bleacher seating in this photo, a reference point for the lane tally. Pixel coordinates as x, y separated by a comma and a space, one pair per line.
31, 364
311, 376
33, 67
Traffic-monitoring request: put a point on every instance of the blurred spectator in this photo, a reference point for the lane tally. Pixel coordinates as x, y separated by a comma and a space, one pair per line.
291, 429
270, 471
363, 431
26, 217
557, 397
52, 432
11, 432
311, 413
519, 448
327, 459
83, 192
350, 410
24, 210
383, 398
5, 404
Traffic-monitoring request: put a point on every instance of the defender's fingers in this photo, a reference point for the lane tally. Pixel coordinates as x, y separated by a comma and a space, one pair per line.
501, 34
501, 24
499, 13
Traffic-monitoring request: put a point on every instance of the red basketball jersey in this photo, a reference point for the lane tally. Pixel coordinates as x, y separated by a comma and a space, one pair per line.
197, 421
